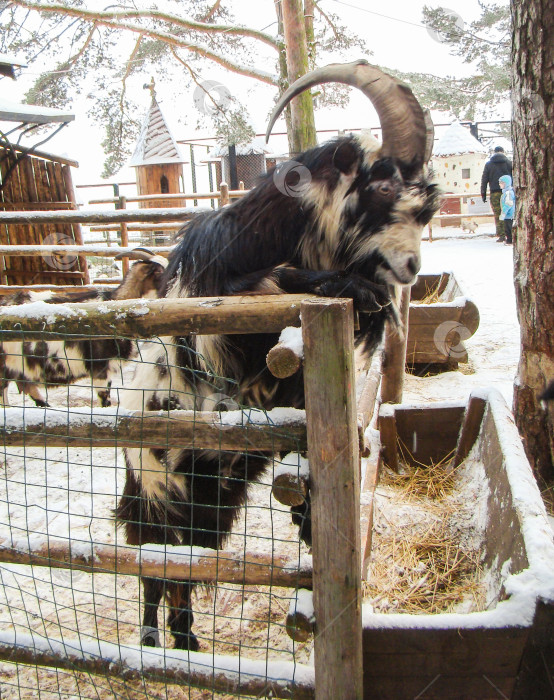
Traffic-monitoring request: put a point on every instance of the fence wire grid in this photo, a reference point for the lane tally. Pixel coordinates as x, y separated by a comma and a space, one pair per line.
56, 499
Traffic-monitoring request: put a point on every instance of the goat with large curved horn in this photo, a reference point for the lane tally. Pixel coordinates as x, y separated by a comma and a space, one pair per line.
407, 130
343, 219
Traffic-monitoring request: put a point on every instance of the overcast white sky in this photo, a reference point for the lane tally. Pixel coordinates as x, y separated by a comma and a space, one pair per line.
393, 30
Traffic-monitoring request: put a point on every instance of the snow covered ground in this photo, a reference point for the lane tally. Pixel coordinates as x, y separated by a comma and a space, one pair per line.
484, 270
74, 491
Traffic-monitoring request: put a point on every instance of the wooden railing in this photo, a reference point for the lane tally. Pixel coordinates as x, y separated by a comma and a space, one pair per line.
330, 431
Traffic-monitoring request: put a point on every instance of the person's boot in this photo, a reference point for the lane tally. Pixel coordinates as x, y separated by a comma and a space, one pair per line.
500, 239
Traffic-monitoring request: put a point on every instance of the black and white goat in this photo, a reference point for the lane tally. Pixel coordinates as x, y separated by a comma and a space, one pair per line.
352, 229
62, 362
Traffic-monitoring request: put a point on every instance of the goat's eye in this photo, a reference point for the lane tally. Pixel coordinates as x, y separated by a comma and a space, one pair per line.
385, 189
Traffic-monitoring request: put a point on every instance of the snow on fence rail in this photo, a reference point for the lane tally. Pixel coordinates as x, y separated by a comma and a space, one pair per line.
99, 217
330, 431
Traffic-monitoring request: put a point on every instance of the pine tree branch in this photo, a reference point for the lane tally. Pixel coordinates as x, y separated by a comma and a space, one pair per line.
106, 19
198, 83
116, 15
207, 17
328, 20
73, 59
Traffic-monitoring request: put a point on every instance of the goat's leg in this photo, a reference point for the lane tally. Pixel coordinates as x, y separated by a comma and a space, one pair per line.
4, 383
32, 390
103, 393
302, 516
367, 296
153, 591
180, 618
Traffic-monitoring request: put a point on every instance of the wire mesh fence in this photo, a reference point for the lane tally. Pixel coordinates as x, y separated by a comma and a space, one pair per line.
64, 471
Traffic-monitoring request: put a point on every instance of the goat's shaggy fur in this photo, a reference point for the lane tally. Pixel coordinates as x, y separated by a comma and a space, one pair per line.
354, 231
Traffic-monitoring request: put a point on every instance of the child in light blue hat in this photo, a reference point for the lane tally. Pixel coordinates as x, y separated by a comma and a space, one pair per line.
507, 206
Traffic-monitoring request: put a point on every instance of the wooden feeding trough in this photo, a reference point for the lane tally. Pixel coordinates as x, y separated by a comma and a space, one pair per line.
441, 318
505, 647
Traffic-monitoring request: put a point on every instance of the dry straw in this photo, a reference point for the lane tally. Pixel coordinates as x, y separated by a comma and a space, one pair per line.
417, 564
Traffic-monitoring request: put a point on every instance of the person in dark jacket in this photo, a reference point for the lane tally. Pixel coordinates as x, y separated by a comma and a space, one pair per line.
497, 166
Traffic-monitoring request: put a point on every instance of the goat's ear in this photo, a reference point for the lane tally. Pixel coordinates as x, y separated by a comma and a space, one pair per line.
346, 158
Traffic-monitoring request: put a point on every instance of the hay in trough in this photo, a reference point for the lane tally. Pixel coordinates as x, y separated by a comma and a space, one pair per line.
419, 562
431, 296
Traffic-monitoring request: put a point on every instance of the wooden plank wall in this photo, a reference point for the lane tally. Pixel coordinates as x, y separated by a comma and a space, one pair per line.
37, 183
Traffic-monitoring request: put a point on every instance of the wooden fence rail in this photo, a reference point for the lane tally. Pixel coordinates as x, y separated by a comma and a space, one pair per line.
147, 318
238, 431
100, 217
225, 674
232, 194
90, 250
193, 563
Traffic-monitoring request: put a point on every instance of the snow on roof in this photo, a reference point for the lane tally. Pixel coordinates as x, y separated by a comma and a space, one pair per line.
31, 114
156, 144
8, 63
457, 140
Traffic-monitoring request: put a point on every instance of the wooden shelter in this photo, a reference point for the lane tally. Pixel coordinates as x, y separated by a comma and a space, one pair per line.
33, 180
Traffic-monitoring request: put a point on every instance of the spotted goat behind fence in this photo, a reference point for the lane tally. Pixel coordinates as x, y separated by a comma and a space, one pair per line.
61, 362
343, 219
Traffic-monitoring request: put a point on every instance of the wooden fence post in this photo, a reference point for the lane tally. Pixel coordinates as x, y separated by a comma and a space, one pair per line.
329, 381
223, 194
77, 230
394, 359
124, 236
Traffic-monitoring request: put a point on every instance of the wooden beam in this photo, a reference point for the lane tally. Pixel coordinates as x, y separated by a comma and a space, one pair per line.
328, 333
233, 194
368, 396
283, 361
108, 427
171, 563
394, 359
290, 489
98, 217
8, 289
232, 675
90, 250
471, 425
389, 436
145, 318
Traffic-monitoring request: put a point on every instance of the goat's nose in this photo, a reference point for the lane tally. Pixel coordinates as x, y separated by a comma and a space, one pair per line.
413, 264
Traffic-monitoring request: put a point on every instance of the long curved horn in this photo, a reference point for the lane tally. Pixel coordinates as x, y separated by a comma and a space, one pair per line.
405, 129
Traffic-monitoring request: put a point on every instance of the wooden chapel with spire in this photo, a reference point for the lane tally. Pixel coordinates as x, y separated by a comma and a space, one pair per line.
156, 159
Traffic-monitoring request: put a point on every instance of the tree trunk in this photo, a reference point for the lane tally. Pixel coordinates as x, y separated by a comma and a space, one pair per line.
309, 9
533, 131
302, 134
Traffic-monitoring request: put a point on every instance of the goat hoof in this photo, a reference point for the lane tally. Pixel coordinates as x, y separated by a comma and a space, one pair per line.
188, 642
